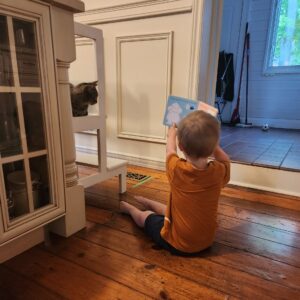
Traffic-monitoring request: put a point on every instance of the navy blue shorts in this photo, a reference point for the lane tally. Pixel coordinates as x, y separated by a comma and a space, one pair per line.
153, 225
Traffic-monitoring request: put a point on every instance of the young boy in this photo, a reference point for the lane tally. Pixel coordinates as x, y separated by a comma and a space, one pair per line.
187, 224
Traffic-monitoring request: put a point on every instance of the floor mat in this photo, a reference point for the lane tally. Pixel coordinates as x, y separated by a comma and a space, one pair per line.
139, 178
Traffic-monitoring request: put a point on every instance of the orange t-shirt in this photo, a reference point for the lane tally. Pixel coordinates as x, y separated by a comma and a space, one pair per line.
190, 219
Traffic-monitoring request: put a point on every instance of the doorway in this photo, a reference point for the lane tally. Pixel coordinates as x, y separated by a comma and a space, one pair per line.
273, 110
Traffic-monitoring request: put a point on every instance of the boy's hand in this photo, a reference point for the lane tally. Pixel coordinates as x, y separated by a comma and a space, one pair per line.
172, 131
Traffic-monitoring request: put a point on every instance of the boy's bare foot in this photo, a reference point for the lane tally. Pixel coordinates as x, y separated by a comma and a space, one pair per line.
124, 207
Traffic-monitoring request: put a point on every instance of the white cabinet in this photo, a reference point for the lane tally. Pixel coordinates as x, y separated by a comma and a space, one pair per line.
33, 168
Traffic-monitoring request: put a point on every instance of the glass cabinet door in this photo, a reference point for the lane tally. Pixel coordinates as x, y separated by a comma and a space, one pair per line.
24, 165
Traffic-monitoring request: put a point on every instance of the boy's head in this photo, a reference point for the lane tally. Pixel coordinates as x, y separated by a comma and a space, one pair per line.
198, 134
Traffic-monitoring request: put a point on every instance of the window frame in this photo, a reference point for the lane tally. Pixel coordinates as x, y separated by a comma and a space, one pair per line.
268, 69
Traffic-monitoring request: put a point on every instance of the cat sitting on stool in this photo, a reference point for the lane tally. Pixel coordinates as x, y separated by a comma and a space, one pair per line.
83, 95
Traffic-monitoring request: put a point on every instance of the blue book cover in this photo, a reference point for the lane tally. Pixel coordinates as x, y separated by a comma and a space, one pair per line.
177, 108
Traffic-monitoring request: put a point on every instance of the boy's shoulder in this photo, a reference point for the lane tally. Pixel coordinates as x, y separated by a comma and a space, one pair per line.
218, 165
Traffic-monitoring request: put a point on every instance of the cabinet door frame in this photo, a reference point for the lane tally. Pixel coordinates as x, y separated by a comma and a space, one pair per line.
40, 13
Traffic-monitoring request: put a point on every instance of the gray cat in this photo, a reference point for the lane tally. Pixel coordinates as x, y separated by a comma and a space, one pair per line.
83, 95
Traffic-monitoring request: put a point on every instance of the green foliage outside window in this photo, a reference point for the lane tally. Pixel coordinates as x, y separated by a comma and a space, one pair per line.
287, 34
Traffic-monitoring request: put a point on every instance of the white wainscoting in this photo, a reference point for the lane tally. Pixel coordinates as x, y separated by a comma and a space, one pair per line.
143, 68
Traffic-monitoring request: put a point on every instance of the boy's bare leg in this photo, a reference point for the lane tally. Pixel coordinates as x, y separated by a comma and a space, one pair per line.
137, 215
157, 207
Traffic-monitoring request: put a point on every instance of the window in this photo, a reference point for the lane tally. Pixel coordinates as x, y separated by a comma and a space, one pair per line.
283, 46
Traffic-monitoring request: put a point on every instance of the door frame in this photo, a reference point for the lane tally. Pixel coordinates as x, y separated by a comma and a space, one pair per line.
266, 179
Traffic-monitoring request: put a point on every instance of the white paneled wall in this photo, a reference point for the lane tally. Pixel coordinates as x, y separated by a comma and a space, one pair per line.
151, 50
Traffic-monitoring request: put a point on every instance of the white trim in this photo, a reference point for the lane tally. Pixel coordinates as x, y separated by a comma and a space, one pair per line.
73, 5
168, 36
275, 123
239, 58
266, 179
141, 161
197, 19
132, 11
209, 50
268, 69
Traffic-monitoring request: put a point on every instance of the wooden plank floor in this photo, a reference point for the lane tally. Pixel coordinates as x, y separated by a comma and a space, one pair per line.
256, 254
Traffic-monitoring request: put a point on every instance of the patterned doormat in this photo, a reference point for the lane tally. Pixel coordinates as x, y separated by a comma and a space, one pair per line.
139, 178
136, 176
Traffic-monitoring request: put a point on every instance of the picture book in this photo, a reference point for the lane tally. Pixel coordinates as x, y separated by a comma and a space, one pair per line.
177, 108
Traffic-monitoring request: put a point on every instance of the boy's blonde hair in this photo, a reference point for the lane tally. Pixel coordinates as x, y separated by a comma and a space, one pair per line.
198, 134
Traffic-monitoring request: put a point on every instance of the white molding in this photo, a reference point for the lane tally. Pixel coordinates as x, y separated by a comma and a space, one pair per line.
239, 58
79, 41
139, 160
72, 5
266, 179
209, 51
197, 18
136, 10
274, 123
136, 38
133, 159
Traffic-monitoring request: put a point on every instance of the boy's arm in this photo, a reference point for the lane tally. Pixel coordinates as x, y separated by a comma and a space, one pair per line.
171, 141
220, 155
223, 158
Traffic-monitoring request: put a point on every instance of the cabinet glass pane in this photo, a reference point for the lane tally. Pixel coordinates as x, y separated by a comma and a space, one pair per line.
16, 189
26, 51
34, 123
6, 74
10, 142
40, 181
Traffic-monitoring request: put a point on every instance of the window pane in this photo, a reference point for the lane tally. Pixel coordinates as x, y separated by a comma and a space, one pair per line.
40, 181
34, 124
287, 39
26, 50
10, 142
6, 74
16, 189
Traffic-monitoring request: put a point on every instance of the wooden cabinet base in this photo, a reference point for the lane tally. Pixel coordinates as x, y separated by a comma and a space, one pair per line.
21, 244
74, 219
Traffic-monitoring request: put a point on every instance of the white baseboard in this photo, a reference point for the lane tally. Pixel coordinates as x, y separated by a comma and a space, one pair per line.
266, 179
275, 123
141, 161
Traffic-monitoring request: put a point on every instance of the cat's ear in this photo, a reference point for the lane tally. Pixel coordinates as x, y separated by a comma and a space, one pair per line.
94, 83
